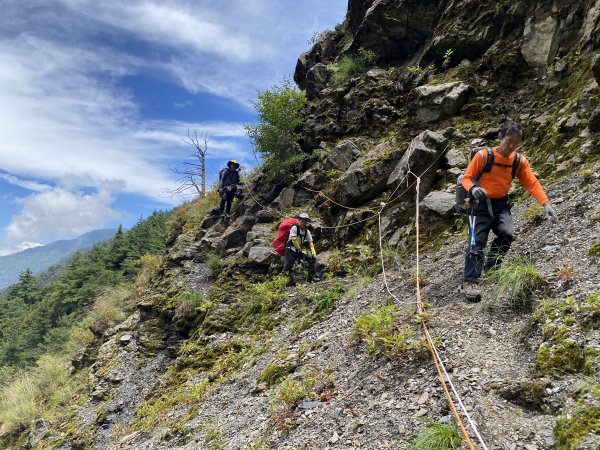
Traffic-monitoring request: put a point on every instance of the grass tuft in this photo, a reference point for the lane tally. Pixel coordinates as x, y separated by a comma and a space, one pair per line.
438, 436
516, 281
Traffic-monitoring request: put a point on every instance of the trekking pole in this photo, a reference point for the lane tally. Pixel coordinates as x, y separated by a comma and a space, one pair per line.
472, 219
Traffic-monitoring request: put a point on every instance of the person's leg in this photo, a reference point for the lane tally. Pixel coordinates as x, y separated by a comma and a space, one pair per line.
474, 256
290, 259
312, 268
229, 200
222, 205
503, 229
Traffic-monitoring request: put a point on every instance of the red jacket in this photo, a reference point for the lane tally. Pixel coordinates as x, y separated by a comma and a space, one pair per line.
497, 181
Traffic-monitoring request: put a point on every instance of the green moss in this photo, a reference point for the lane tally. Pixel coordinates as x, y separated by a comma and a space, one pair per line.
594, 249
565, 356
581, 421
592, 361
274, 373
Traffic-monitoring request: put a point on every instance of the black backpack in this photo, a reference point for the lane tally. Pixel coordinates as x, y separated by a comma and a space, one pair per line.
486, 152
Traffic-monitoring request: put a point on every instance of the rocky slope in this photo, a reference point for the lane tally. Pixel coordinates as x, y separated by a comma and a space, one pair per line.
241, 360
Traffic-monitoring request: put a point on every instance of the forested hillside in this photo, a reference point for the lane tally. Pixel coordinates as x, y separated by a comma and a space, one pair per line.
38, 259
40, 315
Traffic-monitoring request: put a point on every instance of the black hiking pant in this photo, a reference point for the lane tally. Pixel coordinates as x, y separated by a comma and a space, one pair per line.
291, 256
502, 226
226, 199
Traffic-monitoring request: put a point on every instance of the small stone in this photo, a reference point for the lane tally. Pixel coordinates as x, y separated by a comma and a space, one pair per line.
531, 447
423, 398
421, 412
334, 438
308, 405
125, 339
401, 429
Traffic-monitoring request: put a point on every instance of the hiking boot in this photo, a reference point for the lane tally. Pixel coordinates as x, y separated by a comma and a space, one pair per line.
472, 291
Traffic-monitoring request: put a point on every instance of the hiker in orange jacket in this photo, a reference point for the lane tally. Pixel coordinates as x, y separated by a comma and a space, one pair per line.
490, 209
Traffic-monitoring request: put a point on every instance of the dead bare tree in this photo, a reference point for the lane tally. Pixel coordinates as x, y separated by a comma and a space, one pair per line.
193, 176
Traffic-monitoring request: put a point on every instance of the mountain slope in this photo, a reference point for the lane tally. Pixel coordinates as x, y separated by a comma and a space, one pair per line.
41, 258
225, 353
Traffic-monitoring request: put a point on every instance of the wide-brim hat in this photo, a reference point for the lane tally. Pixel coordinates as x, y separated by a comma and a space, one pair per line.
233, 161
303, 216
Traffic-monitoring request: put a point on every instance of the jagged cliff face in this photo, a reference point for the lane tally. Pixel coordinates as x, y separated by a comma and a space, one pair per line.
232, 370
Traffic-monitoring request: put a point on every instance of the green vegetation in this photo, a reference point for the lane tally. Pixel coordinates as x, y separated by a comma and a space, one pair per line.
562, 322
281, 114
42, 392
349, 66
383, 332
595, 249
581, 421
438, 436
314, 384
447, 59
37, 318
320, 304
515, 280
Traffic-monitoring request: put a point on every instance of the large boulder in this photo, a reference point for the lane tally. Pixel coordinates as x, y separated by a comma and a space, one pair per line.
343, 155
456, 158
235, 235
439, 202
393, 30
596, 66
366, 177
316, 80
432, 103
285, 199
262, 256
421, 159
540, 40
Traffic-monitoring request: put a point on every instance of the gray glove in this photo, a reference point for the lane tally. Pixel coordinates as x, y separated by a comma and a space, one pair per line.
550, 213
478, 193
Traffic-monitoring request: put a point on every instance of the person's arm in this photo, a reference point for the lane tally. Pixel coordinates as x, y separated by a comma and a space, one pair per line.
312, 248
473, 169
530, 182
294, 237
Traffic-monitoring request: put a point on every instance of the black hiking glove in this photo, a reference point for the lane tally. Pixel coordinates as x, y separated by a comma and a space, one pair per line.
478, 193
550, 213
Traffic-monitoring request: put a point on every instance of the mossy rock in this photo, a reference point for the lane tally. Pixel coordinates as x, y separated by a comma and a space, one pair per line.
563, 357
275, 372
528, 393
579, 427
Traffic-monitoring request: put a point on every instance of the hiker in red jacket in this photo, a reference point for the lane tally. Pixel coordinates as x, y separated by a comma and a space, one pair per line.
490, 210
300, 247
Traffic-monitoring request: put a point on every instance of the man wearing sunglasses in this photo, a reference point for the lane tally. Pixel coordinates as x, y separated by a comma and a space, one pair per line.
488, 186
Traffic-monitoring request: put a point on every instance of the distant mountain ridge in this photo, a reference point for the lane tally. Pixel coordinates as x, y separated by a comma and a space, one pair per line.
38, 259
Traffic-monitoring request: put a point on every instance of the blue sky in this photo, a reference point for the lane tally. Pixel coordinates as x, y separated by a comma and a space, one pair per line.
96, 98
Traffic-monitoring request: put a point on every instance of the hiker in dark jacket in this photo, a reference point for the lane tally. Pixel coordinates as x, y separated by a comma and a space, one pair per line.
229, 179
490, 210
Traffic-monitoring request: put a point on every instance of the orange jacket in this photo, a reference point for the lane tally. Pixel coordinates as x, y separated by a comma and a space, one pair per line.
497, 181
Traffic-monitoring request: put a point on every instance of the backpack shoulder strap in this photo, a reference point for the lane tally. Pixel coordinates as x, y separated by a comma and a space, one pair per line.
516, 164
488, 154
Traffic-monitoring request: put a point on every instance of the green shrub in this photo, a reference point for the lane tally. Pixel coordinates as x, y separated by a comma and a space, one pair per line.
39, 393
111, 309
349, 66
516, 280
382, 332
280, 115
447, 59
214, 264
438, 436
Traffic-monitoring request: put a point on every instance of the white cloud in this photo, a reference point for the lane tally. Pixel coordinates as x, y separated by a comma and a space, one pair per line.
68, 125
57, 213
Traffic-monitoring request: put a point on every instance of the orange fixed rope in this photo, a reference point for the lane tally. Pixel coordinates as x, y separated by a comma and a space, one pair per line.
430, 343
